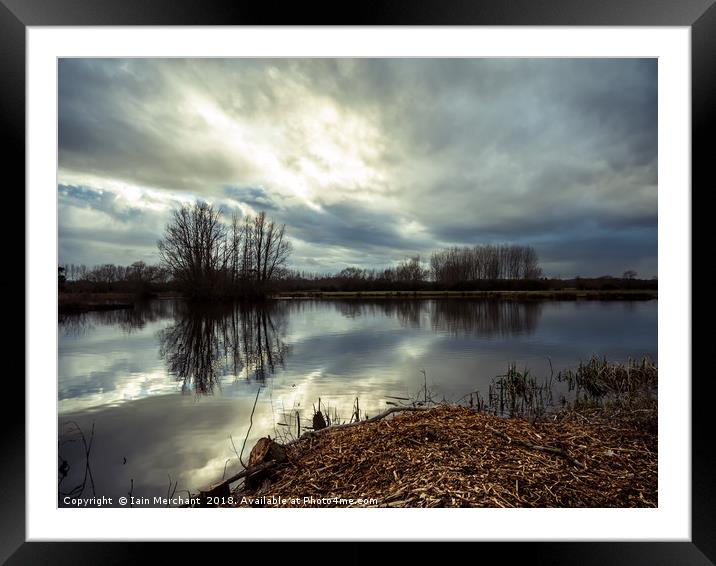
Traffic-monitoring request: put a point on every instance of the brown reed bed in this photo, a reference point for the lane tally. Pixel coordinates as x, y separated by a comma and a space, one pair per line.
597, 378
456, 456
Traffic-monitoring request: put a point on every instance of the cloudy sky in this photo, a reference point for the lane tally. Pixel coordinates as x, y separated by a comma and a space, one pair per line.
366, 161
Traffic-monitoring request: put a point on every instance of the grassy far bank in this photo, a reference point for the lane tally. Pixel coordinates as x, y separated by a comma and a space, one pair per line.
82, 302
564, 294
599, 450
68, 303
74, 302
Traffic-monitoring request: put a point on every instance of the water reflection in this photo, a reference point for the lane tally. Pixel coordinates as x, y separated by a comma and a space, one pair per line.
208, 343
203, 344
127, 371
456, 317
486, 318
128, 320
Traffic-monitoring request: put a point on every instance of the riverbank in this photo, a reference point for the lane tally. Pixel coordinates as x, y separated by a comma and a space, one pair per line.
455, 456
68, 303
83, 302
562, 294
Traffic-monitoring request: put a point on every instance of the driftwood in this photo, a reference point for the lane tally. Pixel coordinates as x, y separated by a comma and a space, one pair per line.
248, 471
265, 450
221, 489
531, 446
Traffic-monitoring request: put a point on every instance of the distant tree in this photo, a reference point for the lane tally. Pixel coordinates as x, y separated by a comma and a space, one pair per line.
272, 248
141, 276
351, 273
629, 274
61, 277
484, 262
104, 277
411, 271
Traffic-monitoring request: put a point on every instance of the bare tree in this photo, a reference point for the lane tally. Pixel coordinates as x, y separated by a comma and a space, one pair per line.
411, 271
209, 258
191, 246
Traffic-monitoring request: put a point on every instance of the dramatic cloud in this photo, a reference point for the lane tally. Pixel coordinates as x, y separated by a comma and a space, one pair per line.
366, 160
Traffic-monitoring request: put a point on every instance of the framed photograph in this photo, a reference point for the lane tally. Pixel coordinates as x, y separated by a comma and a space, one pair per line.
402, 278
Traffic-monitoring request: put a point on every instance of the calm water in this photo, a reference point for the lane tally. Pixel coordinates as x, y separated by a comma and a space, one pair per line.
165, 385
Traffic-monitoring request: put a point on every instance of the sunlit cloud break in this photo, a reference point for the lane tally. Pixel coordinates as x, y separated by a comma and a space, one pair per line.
366, 161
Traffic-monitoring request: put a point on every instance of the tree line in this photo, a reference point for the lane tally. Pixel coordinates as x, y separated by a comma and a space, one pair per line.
476, 267
204, 254
484, 262
138, 277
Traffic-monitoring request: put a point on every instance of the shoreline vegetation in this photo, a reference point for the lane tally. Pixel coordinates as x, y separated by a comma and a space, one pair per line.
79, 302
69, 303
511, 448
205, 255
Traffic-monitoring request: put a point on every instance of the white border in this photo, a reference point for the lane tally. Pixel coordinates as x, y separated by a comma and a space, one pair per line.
671, 521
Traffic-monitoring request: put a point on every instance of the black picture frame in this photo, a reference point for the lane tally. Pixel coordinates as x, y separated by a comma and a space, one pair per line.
699, 15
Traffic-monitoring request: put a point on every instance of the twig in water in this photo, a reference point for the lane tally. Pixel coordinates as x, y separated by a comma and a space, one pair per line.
425, 386
79, 489
251, 423
231, 438
170, 491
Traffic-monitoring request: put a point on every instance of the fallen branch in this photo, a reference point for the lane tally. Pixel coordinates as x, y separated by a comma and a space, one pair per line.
531, 446
251, 424
247, 472
221, 489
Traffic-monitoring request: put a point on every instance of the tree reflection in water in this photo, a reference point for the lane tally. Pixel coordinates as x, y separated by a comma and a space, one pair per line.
129, 320
208, 343
457, 317
488, 319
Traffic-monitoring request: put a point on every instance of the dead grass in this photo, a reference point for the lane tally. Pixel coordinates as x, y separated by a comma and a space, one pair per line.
453, 456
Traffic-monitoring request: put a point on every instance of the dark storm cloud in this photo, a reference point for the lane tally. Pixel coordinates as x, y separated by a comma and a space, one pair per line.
120, 119
256, 197
98, 200
98, 226
367, 160
348, 225
602, 252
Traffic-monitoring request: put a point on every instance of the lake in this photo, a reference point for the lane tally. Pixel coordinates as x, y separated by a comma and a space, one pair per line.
165, 387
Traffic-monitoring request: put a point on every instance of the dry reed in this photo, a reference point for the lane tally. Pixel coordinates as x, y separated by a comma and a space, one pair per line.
453, 456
